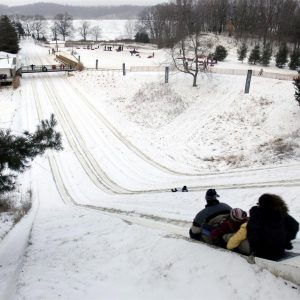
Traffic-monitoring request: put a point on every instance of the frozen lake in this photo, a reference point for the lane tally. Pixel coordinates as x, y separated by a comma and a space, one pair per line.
110, 29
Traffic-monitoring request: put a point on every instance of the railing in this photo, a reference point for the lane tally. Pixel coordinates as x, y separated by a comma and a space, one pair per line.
47, 68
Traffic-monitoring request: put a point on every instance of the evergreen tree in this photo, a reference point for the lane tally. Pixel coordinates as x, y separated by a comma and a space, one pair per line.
8, 36
282, 56
297, 87
294, 60
142, 37
17, 151
254, 56
220, 53
266, 55
19, 28
242, 52
137, 37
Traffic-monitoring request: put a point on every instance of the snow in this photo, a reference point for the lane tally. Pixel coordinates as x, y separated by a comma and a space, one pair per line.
110, 29
106, 221
6, 60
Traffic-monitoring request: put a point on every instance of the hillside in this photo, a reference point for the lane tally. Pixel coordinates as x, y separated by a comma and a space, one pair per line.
104, 222
214, 126
78, 12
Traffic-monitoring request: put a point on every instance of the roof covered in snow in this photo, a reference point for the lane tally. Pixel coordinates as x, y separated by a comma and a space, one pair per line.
7, 60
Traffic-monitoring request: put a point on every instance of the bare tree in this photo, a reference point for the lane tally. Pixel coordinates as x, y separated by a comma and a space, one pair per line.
160, 23
84, 29
268, 21
130, 28
39, 25
28, 25
190, 44
54, 31
64, 24
96, 32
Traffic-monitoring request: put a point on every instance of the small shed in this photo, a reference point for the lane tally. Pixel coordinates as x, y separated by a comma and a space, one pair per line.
8, 66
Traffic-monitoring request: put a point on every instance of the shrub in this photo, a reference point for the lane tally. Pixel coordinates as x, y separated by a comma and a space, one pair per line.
254, 56
242, 52
142, 37
294, 60
22, 211
220, 53
281, 56
5, 204
266, 55
296, 83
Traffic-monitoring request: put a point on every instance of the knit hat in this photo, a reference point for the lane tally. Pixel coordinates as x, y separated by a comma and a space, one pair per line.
238, 215
211, 195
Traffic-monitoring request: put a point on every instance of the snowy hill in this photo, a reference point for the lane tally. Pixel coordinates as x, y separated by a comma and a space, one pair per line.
103, 217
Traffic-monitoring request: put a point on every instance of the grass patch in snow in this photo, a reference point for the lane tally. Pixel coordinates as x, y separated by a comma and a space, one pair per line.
155, 105
12, 210
279, 147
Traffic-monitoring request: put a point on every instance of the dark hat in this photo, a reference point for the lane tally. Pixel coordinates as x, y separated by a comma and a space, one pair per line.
211, 194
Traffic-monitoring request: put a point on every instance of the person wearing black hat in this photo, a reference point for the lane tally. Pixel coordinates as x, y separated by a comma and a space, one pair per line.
213, 212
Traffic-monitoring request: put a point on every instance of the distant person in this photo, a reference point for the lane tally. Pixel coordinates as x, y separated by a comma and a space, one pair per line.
229, 225
214, 211
260, 72
270, 228
184, 189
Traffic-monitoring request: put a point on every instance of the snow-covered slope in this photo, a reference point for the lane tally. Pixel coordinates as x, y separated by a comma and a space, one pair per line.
127, 141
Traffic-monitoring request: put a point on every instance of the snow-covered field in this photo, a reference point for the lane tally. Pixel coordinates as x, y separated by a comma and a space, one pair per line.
104, 221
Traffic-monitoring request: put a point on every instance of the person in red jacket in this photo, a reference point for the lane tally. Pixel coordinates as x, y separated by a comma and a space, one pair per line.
230, 225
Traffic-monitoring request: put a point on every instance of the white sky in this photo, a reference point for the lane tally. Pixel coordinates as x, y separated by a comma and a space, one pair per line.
84, 3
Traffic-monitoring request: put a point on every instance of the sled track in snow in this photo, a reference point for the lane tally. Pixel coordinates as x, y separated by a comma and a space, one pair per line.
89, 164
292, 182
174, 229
147, 158
100, 178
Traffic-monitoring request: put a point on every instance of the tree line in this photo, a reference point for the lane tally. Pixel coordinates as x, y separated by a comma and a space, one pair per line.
269, 21
61, 28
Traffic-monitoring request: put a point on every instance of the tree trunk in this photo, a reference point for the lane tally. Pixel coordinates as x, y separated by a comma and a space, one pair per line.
195, 80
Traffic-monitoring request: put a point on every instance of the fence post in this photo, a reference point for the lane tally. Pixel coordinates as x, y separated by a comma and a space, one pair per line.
167, 75
248, 81
96, 64
124, 70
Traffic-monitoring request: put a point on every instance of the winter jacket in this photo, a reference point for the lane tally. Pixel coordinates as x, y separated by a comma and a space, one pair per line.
269, 234
211, 210
227, 226
238, 237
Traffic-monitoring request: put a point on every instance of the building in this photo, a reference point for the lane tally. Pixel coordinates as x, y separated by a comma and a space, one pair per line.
8, 66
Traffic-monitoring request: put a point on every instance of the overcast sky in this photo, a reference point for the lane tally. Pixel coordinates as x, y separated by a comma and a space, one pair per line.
84, 2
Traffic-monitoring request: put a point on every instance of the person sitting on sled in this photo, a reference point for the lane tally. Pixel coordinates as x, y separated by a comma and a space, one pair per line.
268, 232
213, 212
229, 225
238, 241
270, 228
